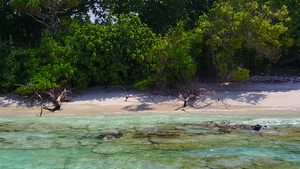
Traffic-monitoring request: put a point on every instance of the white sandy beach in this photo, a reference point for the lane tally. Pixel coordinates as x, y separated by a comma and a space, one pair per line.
232, 97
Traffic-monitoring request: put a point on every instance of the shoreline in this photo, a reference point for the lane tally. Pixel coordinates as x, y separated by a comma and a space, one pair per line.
233, 97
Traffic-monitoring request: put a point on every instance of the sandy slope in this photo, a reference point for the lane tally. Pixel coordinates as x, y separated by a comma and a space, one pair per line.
232, 97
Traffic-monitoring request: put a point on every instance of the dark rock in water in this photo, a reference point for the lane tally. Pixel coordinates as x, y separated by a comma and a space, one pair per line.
109, 137
139, 135
163, 135
223, 127
159, 134
89, 136
257, 127
32, 137
116, 134
207, 124
2, 139
226, 127
225, 130
202, 128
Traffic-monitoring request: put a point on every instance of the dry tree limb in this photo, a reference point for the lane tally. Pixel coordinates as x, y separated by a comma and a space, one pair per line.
38, 96
185, 100
56, 107
57, 99
126, 95
34, 91
59, 96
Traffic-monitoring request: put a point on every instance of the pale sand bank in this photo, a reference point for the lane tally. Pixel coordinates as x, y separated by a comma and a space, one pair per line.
232, 97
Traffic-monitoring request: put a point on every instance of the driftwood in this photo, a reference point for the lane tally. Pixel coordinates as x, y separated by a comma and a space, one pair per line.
57, 106
57, 97
193, 93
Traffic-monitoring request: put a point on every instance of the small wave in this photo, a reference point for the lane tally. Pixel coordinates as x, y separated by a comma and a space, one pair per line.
275, 121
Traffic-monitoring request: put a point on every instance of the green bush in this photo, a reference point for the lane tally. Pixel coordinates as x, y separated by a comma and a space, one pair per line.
232, 26
117, 53
173, 65
239, 74
45, 65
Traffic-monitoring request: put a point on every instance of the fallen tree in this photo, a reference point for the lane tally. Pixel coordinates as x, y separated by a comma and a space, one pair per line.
56, 96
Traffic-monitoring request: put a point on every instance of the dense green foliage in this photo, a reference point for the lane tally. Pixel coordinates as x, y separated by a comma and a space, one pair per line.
117, 53
143, 43
7, 75
230, 27
160, 15
173, 66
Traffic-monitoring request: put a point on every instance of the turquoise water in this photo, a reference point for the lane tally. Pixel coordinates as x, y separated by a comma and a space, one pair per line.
151, 141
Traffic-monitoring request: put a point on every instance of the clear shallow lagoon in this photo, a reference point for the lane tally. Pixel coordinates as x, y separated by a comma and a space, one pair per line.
151, 141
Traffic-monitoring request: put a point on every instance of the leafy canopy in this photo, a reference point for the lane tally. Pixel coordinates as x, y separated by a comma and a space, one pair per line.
230, 27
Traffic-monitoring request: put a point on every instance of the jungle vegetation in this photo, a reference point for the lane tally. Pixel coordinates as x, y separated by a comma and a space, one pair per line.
143, 43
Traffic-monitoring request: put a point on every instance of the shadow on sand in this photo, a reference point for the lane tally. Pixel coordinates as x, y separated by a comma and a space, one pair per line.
244, 93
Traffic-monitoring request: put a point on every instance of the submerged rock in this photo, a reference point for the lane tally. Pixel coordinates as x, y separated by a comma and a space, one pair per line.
203, 128
88, 142
257, 127
11, 127
109, 136
225, 130
159, 134
33, 127
163, 135
32, 137
224, 127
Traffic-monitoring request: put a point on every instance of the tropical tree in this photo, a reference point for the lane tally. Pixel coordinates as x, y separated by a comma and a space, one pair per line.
46, 12
231, 27
118, 53
291, 55
160, 15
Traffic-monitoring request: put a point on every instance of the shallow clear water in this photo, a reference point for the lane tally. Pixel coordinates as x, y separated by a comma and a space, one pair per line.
151, 141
